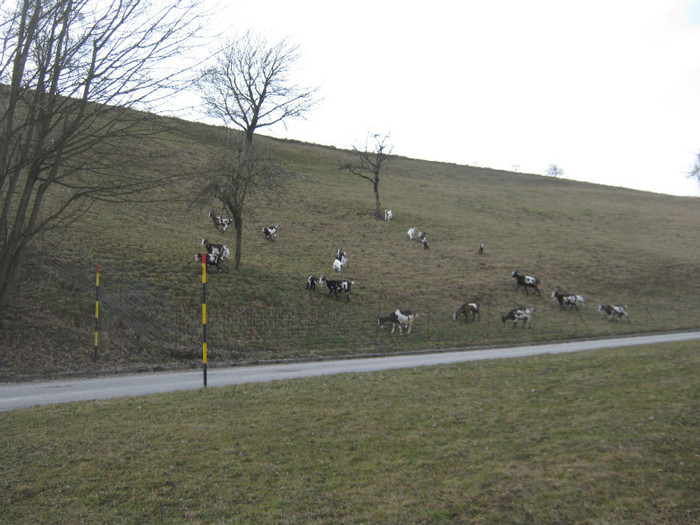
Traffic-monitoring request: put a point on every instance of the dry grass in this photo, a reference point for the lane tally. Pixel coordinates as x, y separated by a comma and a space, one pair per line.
609, 244
605, 436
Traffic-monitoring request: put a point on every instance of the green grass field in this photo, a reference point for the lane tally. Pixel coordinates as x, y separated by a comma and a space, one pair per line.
610, 244
607, 436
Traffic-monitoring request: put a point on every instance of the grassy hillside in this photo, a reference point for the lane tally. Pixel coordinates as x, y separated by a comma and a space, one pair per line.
609, 244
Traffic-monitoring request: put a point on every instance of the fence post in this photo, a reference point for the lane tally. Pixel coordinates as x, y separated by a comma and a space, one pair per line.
97, 310
204, 318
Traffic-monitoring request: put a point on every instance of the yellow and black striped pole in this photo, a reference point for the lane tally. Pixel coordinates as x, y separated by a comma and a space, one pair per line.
204, 317
97, 310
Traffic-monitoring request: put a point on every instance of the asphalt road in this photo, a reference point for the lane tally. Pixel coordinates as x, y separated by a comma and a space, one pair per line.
21, 395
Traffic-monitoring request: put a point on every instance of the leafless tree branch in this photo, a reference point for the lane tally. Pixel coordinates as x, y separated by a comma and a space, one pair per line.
368, 163
72, 74
237, 176
249, 85
694, 172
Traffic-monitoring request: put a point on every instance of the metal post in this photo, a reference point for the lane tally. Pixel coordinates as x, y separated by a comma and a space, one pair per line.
97, 311
204, 317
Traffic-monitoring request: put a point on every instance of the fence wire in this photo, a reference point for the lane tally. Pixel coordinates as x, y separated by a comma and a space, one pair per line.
137, 323
326, 328
153, 325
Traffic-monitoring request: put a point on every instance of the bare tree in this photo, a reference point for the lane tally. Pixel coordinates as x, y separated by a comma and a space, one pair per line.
72, 73
554, 171
240, 173
249, 85
369, 162
694, 172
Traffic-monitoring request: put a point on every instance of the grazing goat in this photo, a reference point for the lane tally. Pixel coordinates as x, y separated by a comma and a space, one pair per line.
341, 256
468, 309
341, 259
337, 286
338, 265
312, 281
570, 300
220, 223
216, 249
614, 311
519, 314
388, 215
270, 232
391, 318
421, 237
212, 260
401, 318
527, 281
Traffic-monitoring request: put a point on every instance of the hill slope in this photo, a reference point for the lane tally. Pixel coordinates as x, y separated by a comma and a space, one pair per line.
609, 244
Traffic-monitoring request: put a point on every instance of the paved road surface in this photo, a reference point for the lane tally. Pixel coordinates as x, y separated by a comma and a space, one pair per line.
20, 395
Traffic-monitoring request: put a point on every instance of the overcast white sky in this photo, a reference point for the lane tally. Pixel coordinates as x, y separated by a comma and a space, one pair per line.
608, 90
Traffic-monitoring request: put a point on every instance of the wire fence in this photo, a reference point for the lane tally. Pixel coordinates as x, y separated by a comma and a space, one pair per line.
137, 325
324, 327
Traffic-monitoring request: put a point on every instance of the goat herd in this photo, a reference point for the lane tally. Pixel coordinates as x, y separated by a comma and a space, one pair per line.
403, 319
216, 253
565, 300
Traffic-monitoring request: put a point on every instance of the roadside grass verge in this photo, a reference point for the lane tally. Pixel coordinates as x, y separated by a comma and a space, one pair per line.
609, 436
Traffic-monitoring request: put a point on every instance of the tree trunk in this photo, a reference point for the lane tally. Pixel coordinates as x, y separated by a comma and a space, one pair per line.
8, 278
249, 135
377, 205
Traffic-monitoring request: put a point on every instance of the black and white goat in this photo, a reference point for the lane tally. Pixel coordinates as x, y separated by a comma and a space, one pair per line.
216, 249
401, 318
388, 215
420, 237
519, 314
614, 311
220, 223
312, 281
481, 248
270, 232
336, 286
391, 318
468, 309
341, 256
340, 261
569, 300
527, 281
212, 259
